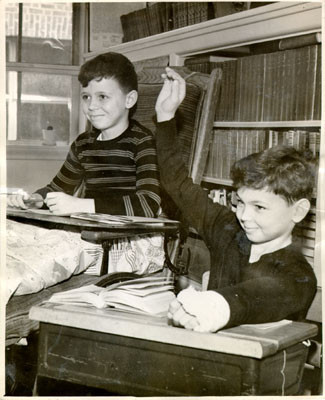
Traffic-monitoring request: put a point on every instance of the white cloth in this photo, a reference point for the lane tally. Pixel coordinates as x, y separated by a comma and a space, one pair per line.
37, 258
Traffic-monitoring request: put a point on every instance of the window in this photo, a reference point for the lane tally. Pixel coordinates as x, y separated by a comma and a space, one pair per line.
41, 80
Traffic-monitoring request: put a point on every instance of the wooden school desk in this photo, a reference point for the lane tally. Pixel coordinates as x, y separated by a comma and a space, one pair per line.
98, 232
138, 355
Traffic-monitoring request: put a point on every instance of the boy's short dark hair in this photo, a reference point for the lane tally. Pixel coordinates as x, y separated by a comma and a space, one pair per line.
281, 169
110, 65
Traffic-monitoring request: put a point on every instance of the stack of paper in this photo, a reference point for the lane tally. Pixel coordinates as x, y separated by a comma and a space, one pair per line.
120, 219
149, 295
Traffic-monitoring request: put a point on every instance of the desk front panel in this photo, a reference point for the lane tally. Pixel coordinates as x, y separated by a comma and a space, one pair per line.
136, 367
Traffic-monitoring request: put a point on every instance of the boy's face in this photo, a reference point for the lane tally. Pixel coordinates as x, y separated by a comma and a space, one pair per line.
105, 105
264, 216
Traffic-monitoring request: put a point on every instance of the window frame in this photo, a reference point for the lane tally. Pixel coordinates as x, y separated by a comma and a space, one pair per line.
23, 150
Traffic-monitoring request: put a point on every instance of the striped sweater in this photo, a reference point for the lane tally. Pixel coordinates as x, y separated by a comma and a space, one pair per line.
121, 174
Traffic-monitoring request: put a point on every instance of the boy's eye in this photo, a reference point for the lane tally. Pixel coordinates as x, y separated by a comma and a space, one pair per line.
85, 97
239, 202
102, 97
260, 208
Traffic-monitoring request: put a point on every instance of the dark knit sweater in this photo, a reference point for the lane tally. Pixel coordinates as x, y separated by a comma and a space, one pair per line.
280, 285
121, 174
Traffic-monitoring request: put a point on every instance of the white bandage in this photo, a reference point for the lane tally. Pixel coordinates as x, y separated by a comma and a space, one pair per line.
210, 308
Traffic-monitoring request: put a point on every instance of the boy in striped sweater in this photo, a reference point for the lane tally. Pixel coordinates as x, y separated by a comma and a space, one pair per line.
115, 159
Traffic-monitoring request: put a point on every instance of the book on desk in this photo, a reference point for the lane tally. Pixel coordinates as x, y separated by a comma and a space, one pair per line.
142, 295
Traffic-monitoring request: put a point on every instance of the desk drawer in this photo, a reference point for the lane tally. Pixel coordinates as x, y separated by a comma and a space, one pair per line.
137, 367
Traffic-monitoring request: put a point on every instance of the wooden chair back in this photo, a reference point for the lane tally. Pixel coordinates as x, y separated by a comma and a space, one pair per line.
195, 116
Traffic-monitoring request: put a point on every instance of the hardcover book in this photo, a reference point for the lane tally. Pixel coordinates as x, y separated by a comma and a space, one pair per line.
145, 295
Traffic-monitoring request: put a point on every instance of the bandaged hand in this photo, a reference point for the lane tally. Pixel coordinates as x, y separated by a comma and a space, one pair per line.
206, 311
180, 317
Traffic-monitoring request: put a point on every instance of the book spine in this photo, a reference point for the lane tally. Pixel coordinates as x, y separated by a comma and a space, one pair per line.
231, 78
238, 90
232, 140
318, 86
257, 88
300, 41
301, 71
223, 156
290, 92
268, 86
125, 28
247, 87
219, 113
277, 104
275, 86
284, 84
310, 82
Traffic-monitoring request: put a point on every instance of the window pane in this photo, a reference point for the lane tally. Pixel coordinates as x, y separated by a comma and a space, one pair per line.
39, 100
12, 10
46, 33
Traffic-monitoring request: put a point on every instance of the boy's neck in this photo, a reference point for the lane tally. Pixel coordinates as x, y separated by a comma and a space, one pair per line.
258, 250
115, 131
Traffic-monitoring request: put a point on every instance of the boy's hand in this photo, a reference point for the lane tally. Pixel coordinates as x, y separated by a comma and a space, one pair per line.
180, 317
24, 201
205, 311
61, 203
171, 95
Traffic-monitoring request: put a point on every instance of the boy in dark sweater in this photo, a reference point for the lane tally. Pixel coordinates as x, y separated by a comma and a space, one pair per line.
257, 275
115, 159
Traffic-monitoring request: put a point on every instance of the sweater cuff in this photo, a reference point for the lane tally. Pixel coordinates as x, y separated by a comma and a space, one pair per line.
238, 308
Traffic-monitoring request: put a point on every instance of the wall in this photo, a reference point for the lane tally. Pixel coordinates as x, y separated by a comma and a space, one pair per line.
105, 24
31, 174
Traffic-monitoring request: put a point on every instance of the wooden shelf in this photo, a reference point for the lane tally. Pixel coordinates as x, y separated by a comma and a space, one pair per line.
274, 21
217, 181
267, 124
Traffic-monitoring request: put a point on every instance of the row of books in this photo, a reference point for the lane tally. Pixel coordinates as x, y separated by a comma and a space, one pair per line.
206, 63
161, 17
230, 145
279, 86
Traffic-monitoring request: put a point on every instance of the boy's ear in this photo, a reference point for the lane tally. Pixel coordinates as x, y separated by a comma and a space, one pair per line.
131, 99
301, 208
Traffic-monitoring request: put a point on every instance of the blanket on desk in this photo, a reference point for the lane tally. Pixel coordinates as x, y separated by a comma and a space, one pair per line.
38, 258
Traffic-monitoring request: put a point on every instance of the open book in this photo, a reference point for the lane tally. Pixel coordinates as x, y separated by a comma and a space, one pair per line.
121, 219
148, 295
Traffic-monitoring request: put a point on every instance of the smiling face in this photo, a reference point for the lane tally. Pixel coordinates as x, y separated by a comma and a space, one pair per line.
265, 217
106, 106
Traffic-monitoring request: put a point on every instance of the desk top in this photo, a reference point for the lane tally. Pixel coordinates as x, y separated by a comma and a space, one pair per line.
244, 340
84, 225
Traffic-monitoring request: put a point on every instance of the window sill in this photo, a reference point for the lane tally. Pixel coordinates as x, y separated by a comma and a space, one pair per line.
23, 151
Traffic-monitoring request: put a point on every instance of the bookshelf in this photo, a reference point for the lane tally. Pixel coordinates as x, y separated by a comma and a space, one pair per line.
274, 21
267, 124
258, 26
